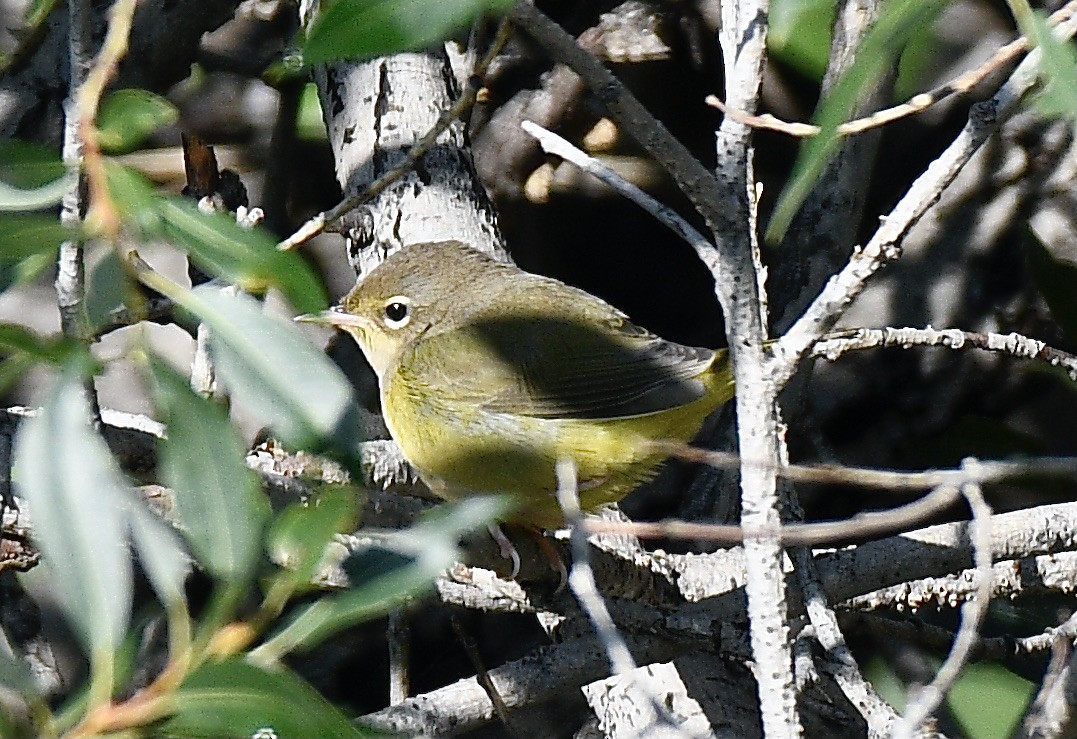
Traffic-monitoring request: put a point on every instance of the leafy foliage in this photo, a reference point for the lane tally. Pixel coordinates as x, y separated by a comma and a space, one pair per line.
356, 29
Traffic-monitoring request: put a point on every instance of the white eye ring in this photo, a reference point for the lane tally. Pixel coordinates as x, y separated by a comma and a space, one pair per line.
397, 311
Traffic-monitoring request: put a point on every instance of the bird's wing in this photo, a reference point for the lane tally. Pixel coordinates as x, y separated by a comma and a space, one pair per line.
588, 362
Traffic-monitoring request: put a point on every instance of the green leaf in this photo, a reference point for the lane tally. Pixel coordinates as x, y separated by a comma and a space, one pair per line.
25, 270
385, 576
127, 117
15, 199
106, 289
989, 700
78, 498
309, 123
247, 257
219, 502
299, 535
272, 369
799, 34
162, 555
37, 11
25, 164
237, 699
55, 351
900, 19
23, 236
352, 29
1058, 69
32, 177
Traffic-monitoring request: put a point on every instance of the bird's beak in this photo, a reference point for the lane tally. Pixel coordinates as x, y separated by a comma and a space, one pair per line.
335, 316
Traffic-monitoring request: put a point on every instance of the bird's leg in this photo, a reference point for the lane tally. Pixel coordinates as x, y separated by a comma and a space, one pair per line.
508, 550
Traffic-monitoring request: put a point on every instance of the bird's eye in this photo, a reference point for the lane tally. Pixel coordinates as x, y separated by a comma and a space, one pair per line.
397, 312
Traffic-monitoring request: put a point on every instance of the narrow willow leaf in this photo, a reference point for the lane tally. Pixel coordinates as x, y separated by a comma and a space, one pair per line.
272, 369
299, 535
162, 555
20, 338
384, 577
879, 51
128, 116
234, 698
14, 198
219, 503
246, 257
366, 28
23, 236
78, 499
799, 34
1058, 70
26, 164
106, 289
37, 11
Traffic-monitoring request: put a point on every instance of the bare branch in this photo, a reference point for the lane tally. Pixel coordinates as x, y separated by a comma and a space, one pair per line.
972, 615
884, 246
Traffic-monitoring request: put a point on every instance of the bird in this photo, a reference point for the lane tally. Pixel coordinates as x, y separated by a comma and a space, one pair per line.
489, 375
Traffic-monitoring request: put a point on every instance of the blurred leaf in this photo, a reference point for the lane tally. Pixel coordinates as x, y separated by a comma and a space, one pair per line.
247, 257
309, 124
162, 555
899, 20
106, 289
300, 533
25, 271
273, 370
1058, 71
37, 11
352, 29
989, 700
1056, 281
12, 368
25, 164
799, 34
135, 197
385, 576
128, 116
78, 498
22, 236
55, 350
219, 502
1057, 96
237, 699
15, 199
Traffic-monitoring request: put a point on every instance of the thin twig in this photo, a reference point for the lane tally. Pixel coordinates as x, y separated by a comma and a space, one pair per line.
694, 180
960, 85
861, 526
1053, 713
973, 613
995, 648
481, 674
318, 223
398, 635
884, 245
581, 579
877, 713
834, 345
551, 143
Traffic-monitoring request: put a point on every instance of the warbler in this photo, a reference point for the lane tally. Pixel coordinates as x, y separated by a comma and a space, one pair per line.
489, 374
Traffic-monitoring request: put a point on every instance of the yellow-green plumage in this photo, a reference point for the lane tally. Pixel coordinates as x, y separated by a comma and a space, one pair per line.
493, 374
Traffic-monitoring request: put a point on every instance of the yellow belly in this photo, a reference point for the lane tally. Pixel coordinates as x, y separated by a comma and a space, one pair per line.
461, 450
